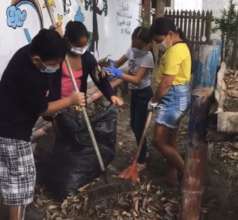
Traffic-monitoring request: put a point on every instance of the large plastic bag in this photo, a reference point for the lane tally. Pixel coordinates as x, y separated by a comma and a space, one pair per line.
72, 162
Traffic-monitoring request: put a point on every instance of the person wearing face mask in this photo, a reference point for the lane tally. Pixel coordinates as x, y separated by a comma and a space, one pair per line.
25, 94
83, 65
172, 93
141, 63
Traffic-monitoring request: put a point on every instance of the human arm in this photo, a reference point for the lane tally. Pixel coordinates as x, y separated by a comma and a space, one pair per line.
145, 64
171, 65
121, 61
75, 99
109, 62
163, 87
135, 78
102, 83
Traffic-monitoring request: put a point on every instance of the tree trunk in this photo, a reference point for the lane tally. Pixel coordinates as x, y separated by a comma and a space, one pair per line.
160, 5
197, 155
146, 13
203, 89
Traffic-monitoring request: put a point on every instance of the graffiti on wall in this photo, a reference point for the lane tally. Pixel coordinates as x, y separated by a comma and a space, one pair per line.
124, 17
79, 16
16, 16
98, 7
21, 20
66, 5
101, 6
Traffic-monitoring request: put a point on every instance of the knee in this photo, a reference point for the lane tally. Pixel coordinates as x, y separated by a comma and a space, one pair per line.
161, 145
158, 143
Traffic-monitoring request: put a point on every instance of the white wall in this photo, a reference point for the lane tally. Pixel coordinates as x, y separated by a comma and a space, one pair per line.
188, 4
114, 29
216, 5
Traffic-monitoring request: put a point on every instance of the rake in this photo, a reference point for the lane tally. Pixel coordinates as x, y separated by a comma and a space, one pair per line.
131, 173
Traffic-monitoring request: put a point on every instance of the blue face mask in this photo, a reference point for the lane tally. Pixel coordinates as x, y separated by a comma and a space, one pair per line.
50, 69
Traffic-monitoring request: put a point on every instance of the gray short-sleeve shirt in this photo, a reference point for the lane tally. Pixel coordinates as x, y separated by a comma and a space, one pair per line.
139, 58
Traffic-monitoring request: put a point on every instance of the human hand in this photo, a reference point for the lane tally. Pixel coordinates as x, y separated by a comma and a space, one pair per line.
117, 101
106, 62
152, 105
116, 72
78, 98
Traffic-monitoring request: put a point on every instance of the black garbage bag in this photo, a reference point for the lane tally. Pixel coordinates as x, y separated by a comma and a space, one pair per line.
73, 162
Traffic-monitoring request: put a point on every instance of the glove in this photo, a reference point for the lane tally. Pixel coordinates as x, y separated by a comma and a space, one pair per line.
152, 105
114, 71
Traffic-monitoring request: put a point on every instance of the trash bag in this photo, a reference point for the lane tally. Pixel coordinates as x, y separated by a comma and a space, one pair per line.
73, 162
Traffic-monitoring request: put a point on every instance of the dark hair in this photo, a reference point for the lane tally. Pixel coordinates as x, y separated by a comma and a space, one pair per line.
75, 30
162, 26
143, 34
48, 45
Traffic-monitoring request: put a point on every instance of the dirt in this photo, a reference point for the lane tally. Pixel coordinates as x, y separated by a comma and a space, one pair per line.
151, 199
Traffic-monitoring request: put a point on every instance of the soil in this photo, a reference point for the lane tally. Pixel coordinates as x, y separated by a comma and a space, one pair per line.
117, 200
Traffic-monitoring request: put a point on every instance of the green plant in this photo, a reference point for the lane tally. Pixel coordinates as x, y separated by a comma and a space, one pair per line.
228, 25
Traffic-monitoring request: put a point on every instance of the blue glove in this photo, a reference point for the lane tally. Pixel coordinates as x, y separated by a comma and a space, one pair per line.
114, 71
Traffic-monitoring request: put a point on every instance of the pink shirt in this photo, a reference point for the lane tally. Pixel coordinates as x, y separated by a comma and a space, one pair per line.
66, 84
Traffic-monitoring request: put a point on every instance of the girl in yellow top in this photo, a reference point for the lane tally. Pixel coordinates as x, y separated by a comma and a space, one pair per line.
172, 93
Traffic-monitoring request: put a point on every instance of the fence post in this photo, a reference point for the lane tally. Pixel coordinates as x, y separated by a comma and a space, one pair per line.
208, 25
203, 88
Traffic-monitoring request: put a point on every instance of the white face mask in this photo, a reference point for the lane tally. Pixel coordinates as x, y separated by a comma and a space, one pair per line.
164, 44
50, 69
79, 50
138, 52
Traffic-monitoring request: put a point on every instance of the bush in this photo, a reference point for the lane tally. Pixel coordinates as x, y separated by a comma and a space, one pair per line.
228, 25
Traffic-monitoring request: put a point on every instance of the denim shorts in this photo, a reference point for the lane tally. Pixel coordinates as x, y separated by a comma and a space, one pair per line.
173, 106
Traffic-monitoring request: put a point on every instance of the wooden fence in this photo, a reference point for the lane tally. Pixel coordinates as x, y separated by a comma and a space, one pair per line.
196, 25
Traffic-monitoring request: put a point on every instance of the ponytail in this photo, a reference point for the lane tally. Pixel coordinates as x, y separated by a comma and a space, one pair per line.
181, 34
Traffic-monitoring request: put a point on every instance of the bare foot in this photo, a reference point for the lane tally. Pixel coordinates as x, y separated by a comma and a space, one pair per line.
141, 167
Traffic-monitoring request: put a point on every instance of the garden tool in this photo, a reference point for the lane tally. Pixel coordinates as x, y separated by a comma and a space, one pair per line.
83, 109
131, 173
